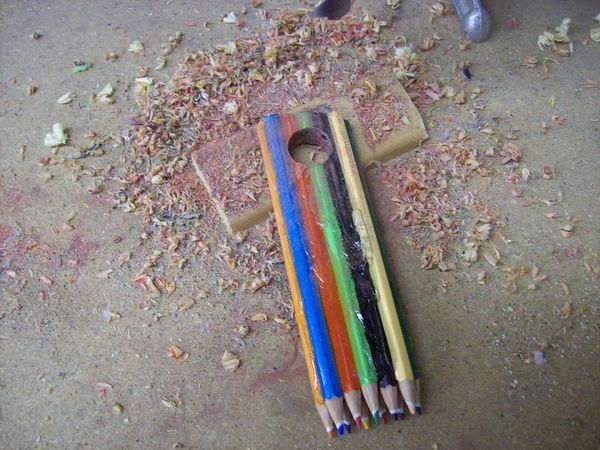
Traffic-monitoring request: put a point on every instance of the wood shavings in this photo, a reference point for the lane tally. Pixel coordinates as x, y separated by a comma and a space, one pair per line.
46, 280
110, 56
104, 274
31, 89
567, 230
171, 403
161, 63
427, 44
105, 95
66, 98
464, 45
438, 9
118, 408
510, 153
482, 277
492, 256
253, 285
259, 317
177, 354
109, 315
530, 61
557, 42
57, 137
230, 361
136, 47
185, 304
230, 18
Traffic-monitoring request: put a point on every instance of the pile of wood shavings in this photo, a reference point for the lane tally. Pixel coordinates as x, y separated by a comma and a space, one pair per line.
430, 195
232, 86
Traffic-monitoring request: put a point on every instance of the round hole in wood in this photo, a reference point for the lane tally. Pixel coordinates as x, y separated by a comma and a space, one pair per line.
310, 146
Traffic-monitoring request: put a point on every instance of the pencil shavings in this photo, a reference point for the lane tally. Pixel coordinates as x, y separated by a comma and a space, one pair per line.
510, 153
230, 361
105, 95
230, 18
136, 47
557, 42
493, 256
177, 354
253, 285
260, 317
169, 403
66, 98
57, 137
143, 84
185, 304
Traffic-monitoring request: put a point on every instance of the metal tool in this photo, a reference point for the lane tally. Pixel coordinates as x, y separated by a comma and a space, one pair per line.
332, 9
475, 19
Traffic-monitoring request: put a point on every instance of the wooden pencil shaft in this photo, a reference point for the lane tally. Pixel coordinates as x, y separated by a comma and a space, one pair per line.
348, 301
318, 248
324, 415
384, 258
387, 301
390, 397
327, 288
323, 354
292, 280
359, 270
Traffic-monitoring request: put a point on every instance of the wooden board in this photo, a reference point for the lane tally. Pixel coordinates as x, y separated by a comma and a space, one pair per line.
231, 169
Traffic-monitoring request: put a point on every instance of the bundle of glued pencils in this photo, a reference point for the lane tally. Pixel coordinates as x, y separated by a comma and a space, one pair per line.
355, 344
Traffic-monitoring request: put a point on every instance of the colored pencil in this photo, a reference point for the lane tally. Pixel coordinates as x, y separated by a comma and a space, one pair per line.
329, 296
365, 292
388, 302
363, 359
327, 288
323, 354
297, 302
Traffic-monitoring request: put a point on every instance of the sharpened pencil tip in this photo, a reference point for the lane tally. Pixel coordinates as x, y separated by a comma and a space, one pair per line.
419, 410
358, 422
395, 416
340, 430
330, 434
365, 424
384, 417
376, 417
348, 428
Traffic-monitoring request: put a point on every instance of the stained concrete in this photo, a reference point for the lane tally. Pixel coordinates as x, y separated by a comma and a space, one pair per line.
471, 341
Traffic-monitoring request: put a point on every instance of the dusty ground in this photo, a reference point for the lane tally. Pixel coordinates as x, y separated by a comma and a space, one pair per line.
472, 341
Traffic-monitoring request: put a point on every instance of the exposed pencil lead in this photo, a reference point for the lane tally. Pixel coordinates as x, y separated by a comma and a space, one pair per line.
419, 410
348, 428
340, 429
384, 417
358, 421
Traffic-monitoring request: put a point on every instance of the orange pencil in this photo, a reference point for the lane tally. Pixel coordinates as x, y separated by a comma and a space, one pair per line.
324, 414
328, 290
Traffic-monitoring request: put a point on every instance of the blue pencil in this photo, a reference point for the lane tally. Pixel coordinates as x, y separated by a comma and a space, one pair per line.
315, 319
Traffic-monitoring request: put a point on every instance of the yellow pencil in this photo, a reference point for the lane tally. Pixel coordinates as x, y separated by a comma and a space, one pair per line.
297, 300
385, 298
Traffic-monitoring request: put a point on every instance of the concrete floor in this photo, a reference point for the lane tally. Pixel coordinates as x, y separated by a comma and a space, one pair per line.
471, 341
